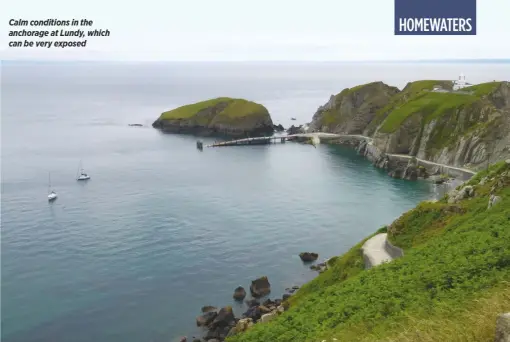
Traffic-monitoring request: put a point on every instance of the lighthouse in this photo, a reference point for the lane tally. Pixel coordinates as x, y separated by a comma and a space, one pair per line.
460, 83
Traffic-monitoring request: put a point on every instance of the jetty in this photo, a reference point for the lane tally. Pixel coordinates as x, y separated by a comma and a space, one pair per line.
284, 138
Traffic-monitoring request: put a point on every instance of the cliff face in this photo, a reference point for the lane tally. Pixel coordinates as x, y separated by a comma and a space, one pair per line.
350, 111
220, 116
465, 128
459, 129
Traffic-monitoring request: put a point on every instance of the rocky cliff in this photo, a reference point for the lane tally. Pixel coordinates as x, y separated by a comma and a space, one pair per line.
426, 119
352, 110
220, 116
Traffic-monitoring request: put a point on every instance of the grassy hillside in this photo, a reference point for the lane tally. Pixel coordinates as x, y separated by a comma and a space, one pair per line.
433, 105
428, 104
233, 108
410, 90
450, 285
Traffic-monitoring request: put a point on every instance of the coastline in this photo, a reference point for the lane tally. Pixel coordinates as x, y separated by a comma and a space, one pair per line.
376, 249
397, 165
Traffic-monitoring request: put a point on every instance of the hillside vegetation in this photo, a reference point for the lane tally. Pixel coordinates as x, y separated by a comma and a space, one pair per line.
452, 282
223, 115
432, 105
411, 90
231, 108
458, 128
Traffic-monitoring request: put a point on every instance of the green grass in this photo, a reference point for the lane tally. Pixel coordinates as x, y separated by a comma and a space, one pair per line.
483, 88
430, 105
457, 259
235, 108
418, 86
411, 90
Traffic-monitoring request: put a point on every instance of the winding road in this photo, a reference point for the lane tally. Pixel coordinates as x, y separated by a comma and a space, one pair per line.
322, 135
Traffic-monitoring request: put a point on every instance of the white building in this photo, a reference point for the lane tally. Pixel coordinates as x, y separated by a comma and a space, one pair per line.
461, 83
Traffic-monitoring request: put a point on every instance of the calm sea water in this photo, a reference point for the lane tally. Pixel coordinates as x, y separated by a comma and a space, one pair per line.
162, 229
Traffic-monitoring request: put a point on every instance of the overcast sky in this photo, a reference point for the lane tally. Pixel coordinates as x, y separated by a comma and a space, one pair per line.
254, 30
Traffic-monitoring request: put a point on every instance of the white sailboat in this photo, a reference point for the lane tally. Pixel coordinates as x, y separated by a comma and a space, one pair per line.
52, 195
81, 175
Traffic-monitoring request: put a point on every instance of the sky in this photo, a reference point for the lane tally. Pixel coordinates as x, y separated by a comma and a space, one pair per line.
248, 30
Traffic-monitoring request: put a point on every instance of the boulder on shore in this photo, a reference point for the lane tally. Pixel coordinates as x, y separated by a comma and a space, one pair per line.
209, 308
239, 293
252, 302
308, 257
224, 318
206, 318
260, 287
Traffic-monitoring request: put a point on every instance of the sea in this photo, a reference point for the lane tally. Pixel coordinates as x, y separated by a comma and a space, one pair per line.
161, 228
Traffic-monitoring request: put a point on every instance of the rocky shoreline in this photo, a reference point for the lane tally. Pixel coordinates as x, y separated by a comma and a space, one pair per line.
219, 323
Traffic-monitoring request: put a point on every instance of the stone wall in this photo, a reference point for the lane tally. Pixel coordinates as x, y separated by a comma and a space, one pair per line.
394, 251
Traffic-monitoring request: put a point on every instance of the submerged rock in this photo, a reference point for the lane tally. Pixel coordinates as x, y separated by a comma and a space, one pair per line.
308, 257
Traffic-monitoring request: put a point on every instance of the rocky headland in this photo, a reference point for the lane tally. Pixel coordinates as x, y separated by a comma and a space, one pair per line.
464, 129
221, 116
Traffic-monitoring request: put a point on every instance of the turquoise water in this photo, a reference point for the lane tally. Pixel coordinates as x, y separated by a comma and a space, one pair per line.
162, 229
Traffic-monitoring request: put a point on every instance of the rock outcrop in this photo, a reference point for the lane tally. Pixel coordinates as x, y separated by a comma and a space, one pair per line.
351, 111
220, 116
465, 129
239, 293
260, 287
308, 257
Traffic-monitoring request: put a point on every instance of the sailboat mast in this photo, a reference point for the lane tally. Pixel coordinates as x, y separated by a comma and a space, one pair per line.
78, 171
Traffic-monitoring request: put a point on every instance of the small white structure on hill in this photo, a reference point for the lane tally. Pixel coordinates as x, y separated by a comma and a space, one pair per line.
461, 83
